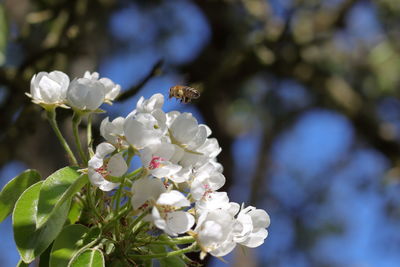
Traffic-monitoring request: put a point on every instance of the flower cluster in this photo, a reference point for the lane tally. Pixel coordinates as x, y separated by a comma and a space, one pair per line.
179, 177
175, 189
85, 94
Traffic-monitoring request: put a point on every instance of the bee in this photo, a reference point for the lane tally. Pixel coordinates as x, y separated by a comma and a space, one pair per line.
184, 93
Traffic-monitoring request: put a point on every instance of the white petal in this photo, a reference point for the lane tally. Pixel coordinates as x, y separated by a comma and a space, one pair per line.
117, 165
184, 128
198, 139
108, 186
145, 189
95, 162
104, 149
179, 221
260, 218
173, 198
224, 249
157, 219
255, 239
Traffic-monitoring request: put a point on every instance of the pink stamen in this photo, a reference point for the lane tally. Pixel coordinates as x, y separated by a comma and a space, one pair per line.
155, 163
103, 170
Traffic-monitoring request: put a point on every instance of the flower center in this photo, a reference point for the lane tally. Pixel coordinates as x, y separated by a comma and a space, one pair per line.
156, 163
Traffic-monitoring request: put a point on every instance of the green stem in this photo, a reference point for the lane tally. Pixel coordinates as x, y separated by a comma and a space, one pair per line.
76, 120
89, 132
179, 252
91, 203
116, 218
171, 241
117, 204
51, 116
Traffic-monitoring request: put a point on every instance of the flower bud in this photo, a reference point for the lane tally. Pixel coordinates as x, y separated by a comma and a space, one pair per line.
85, 94
49, 88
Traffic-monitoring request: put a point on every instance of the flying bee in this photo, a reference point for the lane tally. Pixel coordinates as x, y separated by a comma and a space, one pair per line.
184, 93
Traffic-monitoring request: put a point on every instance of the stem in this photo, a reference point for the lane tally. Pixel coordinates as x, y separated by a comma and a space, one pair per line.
117, 203
51, 116
89, 132
171, 241
76, 120
179, 252
115, 219
90, 202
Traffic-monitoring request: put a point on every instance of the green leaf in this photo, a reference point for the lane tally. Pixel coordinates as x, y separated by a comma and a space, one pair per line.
69, 241
32, 241
74, 212
3, 34
13, 189
90, 257
174, 261
57, 189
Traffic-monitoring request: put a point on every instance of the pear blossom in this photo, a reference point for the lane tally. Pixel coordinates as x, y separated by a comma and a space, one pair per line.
156, 101
143, 129
102, 169
185, 131
214, 232
206, 180
49, 88
161, 161
113, 131
112, 89
85, 94
168, 218
250, 227
146, 191
216, 201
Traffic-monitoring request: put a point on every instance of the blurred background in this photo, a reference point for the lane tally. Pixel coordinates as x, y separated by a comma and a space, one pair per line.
303, 96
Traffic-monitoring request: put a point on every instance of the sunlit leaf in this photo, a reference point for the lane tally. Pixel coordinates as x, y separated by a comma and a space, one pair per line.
69, 241
13, 190
57, 189
32, 241
88, 258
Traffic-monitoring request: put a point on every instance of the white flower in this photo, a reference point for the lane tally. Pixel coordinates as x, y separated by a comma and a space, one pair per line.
161, 161
111, 89
216, 201
143, 129
100, 170
156, 101
206, 180
113, 131
146, 191
85, 94
167, 217
49, 88
214, 232
185, 131
250, 227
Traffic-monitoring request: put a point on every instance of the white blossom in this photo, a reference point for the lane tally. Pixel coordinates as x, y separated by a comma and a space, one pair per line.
142, 130
146, 191
112, 89
101, 169
49, 88
168, 218
214, 232
250, 227
85, 94
206, 180
161, 161
185, 131
113, 131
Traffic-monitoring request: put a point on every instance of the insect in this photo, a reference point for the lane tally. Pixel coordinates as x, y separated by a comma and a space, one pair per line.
184, 93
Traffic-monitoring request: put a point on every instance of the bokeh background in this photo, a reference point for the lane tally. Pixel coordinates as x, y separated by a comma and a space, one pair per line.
303, 96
